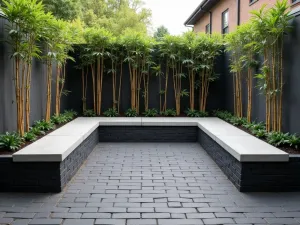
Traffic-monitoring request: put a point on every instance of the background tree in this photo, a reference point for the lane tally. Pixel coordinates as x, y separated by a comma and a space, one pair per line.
160, 32
63, 9
116, 16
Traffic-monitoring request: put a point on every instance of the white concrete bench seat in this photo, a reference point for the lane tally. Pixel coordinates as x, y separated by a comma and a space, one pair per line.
56, 146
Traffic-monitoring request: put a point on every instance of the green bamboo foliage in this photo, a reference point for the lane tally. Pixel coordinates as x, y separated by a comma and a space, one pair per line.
270, 26
27, 20
137, 52
116, 56
208, 49
234, 46
97, 41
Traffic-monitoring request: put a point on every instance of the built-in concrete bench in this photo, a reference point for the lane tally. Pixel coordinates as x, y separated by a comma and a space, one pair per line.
55, 158
56, 146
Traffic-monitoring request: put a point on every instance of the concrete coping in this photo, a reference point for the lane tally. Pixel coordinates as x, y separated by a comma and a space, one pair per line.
56, 146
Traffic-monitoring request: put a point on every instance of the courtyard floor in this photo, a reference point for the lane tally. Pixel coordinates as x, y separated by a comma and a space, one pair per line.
150, 183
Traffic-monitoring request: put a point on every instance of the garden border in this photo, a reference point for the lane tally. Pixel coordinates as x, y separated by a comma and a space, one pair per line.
251, 164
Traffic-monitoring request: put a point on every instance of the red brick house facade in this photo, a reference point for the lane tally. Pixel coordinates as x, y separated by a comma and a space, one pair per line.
223, 16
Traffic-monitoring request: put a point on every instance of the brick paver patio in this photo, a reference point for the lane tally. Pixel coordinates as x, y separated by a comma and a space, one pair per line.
150, 183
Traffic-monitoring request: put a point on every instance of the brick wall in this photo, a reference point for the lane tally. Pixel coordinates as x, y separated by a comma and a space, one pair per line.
245, 14
147, 134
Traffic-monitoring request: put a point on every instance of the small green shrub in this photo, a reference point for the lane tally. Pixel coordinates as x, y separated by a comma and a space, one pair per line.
44, 125
69, 114
150, 113
131, 113
59, 119
258, 126
259, 133
89, 113
111, 113
29, 136
224, 115
293, 141
169, 113
11, 141
195, 113
277, 138
237, 121
37, 131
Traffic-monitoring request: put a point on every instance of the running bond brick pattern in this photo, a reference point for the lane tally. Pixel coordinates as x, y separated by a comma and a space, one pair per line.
150, 183
147, 134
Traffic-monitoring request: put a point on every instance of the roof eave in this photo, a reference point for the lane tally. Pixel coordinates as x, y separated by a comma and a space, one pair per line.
205, 6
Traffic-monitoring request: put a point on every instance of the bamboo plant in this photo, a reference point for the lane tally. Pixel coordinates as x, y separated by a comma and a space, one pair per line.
208, 49
270, 26
98, 40
234, 46
27, 24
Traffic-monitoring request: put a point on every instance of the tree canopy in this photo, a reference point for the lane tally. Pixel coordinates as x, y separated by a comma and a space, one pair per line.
117, 16
161, 32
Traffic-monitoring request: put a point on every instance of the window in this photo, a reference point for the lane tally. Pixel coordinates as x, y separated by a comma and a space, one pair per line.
207, 29
225, 22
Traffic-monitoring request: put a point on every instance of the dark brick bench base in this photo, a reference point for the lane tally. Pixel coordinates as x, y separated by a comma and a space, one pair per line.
44, 176
54, 176
256, 176
147, 134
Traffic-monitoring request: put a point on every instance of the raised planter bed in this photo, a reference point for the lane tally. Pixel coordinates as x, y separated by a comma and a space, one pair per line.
48, 164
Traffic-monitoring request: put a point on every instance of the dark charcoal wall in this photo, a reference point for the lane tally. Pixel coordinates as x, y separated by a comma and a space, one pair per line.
7, 93
74, 83
291, 107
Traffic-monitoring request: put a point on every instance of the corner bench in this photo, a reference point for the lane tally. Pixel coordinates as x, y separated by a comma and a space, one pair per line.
49, 164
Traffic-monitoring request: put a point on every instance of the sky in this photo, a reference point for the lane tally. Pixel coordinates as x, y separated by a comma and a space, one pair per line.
171, 13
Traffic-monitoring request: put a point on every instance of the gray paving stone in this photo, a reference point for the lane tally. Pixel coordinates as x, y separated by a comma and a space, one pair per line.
125, 215
83, 210
200, 215
174, 205
281, 221
141, 222
218, 221
19, 215
66, 215
178, 216
155, 215
140, 210
176, 210
250, 220
259, 215
46, 221
42, 215
211, 209
78, 222
180, 221
112, 210
6, 220
110, 222
95, 215
21, 222
229, 215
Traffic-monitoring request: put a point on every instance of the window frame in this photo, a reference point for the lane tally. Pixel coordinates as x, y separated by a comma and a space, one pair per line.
207, 28
225, 29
